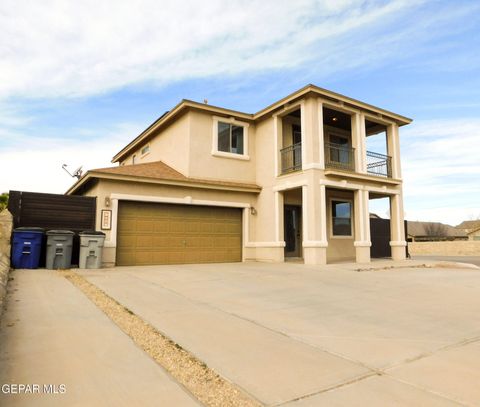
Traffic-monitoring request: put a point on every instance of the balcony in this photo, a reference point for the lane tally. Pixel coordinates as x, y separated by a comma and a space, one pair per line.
379, 164
342, 157
339, 156
291, 158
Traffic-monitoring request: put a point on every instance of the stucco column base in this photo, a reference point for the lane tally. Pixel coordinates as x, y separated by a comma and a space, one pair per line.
362, 252
315, 255
270, 254
399, 251
108, 256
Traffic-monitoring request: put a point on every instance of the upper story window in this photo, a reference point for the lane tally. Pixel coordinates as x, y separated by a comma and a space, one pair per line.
230, 138
145, 149
134, 159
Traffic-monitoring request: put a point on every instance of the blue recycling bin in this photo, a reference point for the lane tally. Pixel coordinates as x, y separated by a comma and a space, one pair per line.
26, 247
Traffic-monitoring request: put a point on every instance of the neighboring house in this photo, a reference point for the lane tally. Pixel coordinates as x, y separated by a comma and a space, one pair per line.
469, 225
208, 184
474, 234
433, 231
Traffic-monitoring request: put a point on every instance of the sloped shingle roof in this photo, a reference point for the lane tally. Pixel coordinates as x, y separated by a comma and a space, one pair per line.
415, 228
469, 224
159, 171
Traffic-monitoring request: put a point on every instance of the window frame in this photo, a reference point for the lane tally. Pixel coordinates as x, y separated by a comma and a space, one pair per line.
352, 221
225, 154
143, 154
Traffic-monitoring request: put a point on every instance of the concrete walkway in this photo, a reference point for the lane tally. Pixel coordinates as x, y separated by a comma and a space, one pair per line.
52, 334
288, 334
291, 334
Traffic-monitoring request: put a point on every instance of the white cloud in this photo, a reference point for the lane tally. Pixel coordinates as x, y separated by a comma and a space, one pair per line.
35, 164
441, 169
55, 48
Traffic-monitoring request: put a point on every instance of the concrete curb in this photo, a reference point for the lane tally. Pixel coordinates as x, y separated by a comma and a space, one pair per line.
455, 265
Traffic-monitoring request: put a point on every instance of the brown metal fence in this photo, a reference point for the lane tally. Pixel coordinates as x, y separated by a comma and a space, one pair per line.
53, 211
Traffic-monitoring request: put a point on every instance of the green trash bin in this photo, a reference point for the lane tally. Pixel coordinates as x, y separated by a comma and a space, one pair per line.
59, 249
91, 249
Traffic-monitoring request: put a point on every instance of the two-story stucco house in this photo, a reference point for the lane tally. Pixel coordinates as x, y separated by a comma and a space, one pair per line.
294, 180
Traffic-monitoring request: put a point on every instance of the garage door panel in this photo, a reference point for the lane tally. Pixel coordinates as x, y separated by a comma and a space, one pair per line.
151, 233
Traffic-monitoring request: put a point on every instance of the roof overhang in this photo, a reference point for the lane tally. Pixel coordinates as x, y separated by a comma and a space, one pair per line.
190, 183
181, 108
336, 98
309, 90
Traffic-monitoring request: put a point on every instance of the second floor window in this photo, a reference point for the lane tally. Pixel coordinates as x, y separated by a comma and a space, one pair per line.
230, 138
145, 149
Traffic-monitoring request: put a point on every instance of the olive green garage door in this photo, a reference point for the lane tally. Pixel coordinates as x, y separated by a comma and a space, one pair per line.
152, 233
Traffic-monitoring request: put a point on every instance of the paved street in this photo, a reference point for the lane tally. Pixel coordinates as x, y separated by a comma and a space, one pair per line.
288, 334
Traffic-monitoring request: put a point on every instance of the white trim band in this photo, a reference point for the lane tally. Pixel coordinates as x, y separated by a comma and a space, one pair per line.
265, 244
315, 243
398, 243
362, 243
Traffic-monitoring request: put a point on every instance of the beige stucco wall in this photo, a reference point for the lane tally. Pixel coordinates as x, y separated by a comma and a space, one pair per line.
475, 236
454, 248
172, 147
186, 145
203, 164
339, 247
148, 192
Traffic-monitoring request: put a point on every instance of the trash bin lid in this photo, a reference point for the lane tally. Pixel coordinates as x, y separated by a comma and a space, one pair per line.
60, 232
91, 232
28, 229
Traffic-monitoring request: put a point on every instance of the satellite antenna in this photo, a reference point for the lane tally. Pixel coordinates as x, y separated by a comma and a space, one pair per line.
76, 174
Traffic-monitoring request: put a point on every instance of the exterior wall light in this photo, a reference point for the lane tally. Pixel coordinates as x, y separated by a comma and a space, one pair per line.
253, 211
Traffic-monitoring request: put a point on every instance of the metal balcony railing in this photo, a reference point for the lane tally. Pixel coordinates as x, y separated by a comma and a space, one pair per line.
342, 157
291, 158
379, 164
339, 156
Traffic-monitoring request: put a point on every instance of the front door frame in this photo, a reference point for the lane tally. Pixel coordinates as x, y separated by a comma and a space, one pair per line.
297, 230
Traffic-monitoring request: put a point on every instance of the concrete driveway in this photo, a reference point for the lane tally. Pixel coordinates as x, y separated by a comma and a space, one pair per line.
458, 259
297, 335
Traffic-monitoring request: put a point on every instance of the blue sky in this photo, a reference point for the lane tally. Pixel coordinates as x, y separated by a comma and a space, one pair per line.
78, 80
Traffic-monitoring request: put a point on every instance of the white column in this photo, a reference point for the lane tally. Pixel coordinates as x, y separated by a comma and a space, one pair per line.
393, 150
279, 233
397, 227
362, 226
359, 142
320, 135
314, 224
310, 132
277, 143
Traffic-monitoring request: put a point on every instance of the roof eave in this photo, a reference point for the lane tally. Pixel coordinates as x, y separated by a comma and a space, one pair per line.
180, 107
202, 184
402, 120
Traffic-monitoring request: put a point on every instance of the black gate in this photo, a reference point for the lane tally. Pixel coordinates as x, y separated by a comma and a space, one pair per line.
53, 211
380, 237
